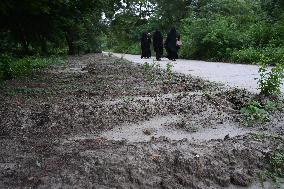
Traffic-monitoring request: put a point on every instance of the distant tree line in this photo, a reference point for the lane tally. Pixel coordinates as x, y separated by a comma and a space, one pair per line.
33, 33
218, 30
43, 26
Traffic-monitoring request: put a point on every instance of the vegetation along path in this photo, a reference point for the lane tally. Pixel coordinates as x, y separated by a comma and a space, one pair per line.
103, 122
234, 75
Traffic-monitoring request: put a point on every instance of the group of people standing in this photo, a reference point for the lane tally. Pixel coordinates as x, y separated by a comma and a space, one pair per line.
171, 44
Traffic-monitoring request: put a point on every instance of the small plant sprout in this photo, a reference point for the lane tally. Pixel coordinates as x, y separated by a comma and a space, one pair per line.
254, 113
169, 70
122, 55
146, 67
149, 70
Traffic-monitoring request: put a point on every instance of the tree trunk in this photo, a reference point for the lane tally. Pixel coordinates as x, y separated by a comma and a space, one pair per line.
25, 46
43, 46
70, 41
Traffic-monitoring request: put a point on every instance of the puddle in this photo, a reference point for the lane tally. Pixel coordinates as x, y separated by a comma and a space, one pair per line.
158, 127
148, 98
73, 68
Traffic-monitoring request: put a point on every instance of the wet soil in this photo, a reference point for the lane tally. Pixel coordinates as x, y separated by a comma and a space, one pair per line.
97, 122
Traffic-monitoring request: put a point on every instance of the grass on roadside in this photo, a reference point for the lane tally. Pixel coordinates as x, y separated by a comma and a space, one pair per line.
11, 67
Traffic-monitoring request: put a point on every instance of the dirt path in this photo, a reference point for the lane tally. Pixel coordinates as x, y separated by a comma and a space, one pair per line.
98, 122
234, 75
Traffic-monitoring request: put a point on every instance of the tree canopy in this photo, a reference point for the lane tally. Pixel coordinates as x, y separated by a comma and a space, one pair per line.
227, 30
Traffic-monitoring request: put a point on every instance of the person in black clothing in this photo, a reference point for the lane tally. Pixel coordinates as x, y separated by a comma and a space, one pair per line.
171, 44
158, 44
145, 45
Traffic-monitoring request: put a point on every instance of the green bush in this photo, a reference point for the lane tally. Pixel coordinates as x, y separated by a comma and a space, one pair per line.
21, 67
254, 113
12, 68
276, 169
127, 48
249, 55
5, 62
270, 80
275, 54
253, 55
237, 31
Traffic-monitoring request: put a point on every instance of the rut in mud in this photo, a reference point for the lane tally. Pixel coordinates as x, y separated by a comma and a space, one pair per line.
98, 123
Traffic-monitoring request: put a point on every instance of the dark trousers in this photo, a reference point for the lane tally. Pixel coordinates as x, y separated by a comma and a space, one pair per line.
172, 55
146, 53
159, 53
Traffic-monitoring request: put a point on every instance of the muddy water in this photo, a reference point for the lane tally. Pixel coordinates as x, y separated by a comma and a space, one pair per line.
76, 67
148, 98
157, 127
160, 127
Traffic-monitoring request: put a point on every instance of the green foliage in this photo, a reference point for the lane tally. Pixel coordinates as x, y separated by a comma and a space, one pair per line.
277, 162
5, 62
127, 48
257, 136
270, 79
237, 31
271, 106
218, 30
147, 67
149, 71
262, 135
254, 113
21, 67
276, 170
13, 68
169, 70
152, 76
254, 55
27, 91
38, 27
246, 55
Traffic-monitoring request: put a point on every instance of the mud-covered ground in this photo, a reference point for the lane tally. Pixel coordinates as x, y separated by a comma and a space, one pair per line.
100, 122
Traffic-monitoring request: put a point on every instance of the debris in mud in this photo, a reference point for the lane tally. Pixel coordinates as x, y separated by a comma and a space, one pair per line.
240, 178
147, 132
155, 157
103, 125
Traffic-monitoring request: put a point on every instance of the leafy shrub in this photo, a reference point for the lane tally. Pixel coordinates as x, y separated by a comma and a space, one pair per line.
58, 51
249, 55
134, 49
276, 162
12, 67
270, 81
254, 55
169, 70
272, 106
276, 54
127, 48
276, 170
149, 71
235, 31
254, 113
27, 91
5, 62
